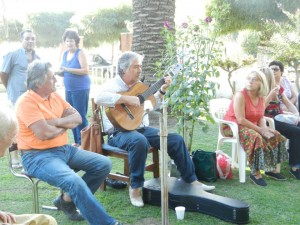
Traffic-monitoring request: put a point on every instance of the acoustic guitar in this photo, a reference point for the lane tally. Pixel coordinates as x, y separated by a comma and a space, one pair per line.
126, 117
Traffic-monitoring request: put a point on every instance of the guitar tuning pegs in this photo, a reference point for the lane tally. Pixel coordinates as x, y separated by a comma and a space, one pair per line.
174, 69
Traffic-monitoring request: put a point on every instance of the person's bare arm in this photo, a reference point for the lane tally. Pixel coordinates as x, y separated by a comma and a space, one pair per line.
265, 130
294, 97
130, 100
239, 111
4, 78
289, 105
44, 131
49, 129
272, 95
69, 120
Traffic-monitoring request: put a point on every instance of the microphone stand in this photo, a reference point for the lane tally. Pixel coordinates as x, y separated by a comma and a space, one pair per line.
164, 165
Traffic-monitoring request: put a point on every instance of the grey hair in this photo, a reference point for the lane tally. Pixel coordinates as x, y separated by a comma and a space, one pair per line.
126, 60
25, 31
8, 122
37, 74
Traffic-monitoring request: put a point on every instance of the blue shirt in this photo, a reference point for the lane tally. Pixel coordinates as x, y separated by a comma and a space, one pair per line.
15, 66
74, 82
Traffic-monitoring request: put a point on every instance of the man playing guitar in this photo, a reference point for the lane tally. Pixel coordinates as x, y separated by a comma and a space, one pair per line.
115, 94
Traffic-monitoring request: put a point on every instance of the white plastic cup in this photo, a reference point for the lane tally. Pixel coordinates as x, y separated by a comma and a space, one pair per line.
180, 212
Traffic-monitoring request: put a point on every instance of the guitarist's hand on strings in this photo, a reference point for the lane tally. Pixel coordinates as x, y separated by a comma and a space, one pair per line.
130, 100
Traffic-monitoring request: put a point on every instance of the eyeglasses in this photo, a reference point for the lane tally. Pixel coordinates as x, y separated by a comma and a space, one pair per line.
70, 40
275, 69
29, 39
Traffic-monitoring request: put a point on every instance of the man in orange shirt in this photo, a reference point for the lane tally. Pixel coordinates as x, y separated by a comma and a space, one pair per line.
44, 117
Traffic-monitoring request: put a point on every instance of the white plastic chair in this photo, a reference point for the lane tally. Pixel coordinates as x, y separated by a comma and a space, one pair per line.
218, 109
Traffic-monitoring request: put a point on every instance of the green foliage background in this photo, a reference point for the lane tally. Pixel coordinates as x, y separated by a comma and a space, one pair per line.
105, 25
249, 14
194, 46
49, 27
100, 26
10, 30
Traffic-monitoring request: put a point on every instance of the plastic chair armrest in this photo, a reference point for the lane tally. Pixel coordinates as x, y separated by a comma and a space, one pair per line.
270, 121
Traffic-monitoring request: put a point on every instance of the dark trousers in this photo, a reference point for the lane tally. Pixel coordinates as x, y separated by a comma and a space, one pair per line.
138, 142
292, 132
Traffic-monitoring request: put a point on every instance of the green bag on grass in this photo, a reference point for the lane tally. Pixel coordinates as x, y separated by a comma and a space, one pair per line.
205, 165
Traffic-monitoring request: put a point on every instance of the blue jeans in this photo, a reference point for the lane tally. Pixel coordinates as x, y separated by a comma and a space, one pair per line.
137, 144
56, 167
80, 101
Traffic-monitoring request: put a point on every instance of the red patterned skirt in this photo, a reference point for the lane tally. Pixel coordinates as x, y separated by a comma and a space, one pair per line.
262, 153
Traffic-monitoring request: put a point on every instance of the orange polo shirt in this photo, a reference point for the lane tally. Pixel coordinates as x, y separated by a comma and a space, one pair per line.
31, 108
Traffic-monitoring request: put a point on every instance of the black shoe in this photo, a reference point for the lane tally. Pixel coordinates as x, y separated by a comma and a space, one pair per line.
68, 208
276, 176
117, 184
260, 181
295, 173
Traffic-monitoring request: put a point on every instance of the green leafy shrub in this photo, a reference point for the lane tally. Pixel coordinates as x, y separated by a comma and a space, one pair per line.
195, 47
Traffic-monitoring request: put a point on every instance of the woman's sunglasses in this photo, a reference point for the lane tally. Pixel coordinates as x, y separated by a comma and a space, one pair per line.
275, 69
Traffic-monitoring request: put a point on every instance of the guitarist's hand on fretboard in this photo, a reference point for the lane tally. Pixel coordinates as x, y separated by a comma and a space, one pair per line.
167, 81
165, 86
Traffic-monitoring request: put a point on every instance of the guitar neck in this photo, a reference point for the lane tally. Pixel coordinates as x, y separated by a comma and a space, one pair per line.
151, 90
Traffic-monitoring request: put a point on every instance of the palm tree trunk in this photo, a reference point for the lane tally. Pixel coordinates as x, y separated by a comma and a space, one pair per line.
148, 17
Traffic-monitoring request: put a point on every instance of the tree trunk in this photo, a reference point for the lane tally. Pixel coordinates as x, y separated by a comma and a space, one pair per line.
232, 86
264, 55
148, 17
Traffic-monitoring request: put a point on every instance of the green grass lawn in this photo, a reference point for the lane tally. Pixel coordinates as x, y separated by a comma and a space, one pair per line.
278, 203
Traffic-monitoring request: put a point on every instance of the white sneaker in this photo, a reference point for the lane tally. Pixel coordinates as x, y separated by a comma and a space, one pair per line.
135, 197
207, 188
204, 186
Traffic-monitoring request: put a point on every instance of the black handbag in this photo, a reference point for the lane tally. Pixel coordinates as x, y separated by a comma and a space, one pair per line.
205, 165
